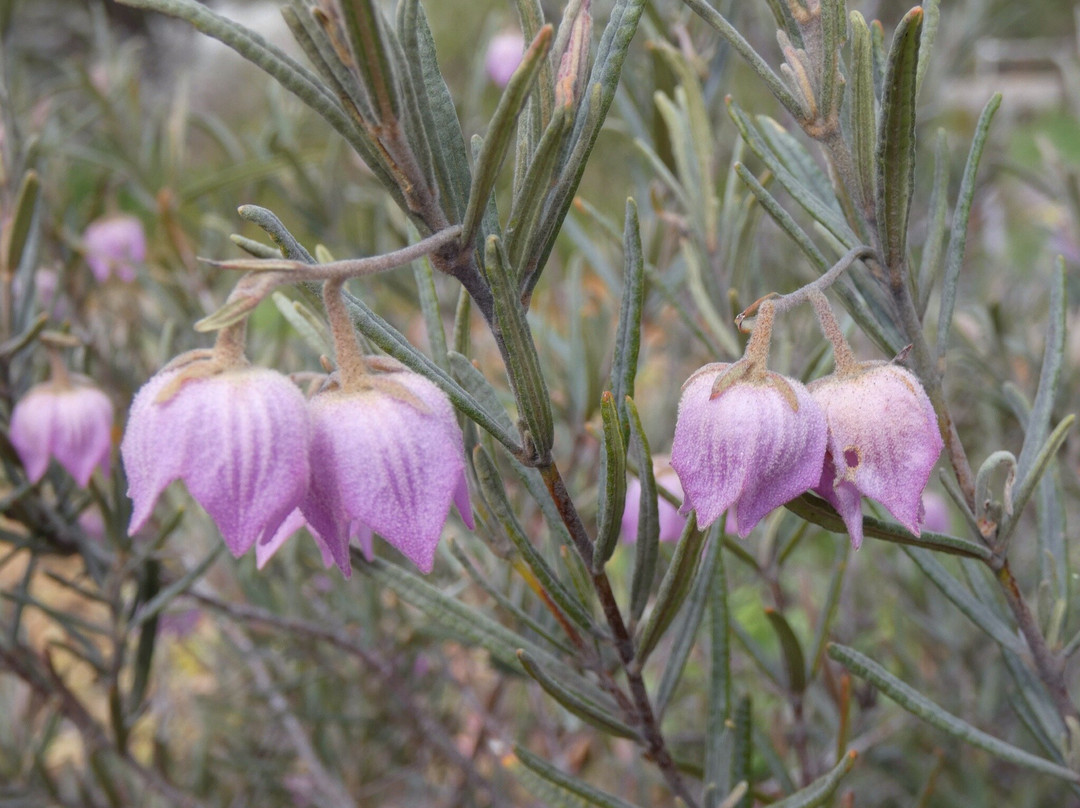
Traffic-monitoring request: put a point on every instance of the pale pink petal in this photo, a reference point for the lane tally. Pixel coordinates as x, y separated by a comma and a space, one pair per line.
503, 56
114, 246
239, 440
747, 448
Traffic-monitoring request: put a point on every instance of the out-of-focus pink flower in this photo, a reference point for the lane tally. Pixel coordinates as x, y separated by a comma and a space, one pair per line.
935, 512
390, 460
115, 245
503, 56
66, 418
239, 439
748, 449
883, 443
671, 521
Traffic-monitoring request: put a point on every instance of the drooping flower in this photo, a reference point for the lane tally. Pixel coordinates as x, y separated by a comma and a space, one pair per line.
293, 523
115, 245
745, 442
389, 460
671, 521
504, 54
238, 436
883, 443
66, 418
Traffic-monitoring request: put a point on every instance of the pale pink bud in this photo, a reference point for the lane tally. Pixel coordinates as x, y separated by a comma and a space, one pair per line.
883, 443
748, 450
115, 246
390, 460
239, 439
70, 421
503, 56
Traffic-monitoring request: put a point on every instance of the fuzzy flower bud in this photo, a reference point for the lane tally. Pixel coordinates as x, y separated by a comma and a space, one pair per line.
883, 443
114, 246
237, 436
745, 444
66, 418
390, 461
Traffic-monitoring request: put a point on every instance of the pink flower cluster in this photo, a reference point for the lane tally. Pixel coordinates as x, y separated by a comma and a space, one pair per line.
263, 461
750, 446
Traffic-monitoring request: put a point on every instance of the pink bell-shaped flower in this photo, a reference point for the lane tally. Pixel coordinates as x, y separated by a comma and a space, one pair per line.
883, 443
747, 444
671, 521
114, 246
237, 436
389, 459
66, 418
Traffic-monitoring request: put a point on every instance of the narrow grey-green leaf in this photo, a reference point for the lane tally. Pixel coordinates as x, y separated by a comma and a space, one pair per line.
530, 193
919, 705
932, 9
491, 486
603, 80
523, 364
611, 495
822, 514
743, 749
368, 35
821, 790
685, 634
757, 63
22, 215
456, 617
470, 377
930, 263
896, 141
673, 589
791, 649
863, 114
450, 154
970, 606
1038, 425
647, 546
1022, 492
571, 698
501, 131
954, 253
310, 327
829, 608
591, 796
628, 335
429, 309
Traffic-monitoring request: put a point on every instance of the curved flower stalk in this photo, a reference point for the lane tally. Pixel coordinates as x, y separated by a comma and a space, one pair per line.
238, 436
66, 418
746, 439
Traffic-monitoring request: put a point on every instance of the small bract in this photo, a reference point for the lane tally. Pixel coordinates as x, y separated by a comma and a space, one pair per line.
239, 440
68, 419
748, 449
389, 459
114, 246
883, 443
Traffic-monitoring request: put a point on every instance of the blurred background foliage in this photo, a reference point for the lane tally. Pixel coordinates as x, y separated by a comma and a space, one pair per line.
160, 671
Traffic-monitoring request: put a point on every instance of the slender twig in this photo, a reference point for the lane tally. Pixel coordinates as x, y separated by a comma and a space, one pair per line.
1049, 665
431, 730
349, 268
332, 788
643, 714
